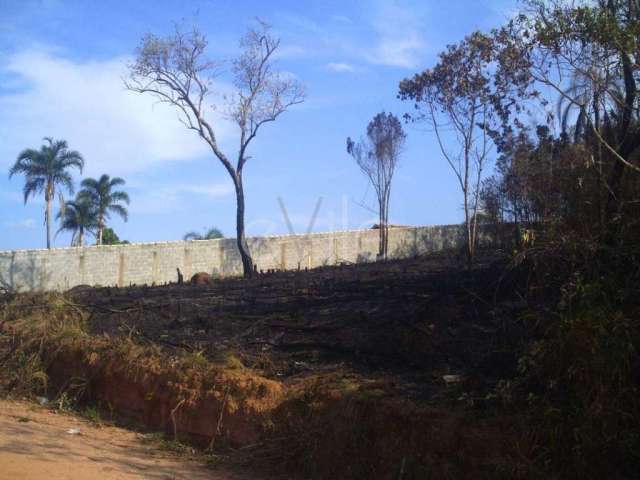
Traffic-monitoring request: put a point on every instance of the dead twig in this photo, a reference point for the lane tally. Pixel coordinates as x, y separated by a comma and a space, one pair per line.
173, 419
219, 423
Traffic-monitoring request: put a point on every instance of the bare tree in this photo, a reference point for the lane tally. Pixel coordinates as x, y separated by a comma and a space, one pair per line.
455, 99
176, 71
378, 156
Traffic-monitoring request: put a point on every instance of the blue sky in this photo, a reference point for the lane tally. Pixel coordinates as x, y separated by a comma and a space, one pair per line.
61, 64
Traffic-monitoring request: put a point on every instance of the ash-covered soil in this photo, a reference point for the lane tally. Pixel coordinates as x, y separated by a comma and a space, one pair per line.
410, 322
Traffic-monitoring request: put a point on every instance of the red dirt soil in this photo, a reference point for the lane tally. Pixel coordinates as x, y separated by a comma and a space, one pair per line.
35, 445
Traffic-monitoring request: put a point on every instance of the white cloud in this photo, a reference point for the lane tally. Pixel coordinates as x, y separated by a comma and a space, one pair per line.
399, 29
341, 67
341, 19
13, 196
117, 131
165, 198
290, 51
303, 22
213, 191
397, 52
25, 224
388, 32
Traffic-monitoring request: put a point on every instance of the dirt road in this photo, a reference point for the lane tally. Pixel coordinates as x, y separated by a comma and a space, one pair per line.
35, 444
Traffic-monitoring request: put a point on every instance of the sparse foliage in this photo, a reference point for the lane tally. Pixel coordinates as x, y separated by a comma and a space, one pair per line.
378, 155
454, 98
176, 71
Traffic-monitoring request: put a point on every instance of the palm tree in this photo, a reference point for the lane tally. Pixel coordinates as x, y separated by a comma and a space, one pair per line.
44, 170
106, 200
79, 217
210, 234
592, 94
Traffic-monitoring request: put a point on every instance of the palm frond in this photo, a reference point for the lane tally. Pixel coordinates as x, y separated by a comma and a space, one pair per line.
192, 236
32, 186
115, 181
89, 184
120, 196
26, 162
119, 210
64, 178
70, 159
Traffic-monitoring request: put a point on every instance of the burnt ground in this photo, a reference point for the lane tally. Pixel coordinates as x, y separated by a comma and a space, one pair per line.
409, 321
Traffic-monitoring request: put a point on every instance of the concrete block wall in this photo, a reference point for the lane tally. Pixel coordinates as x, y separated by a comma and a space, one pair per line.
149, 263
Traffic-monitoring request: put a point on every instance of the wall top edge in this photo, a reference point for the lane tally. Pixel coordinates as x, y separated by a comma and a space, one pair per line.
91, 248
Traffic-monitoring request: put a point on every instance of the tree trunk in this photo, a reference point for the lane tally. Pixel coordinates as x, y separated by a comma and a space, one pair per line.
625, 140
247, 261
380, 229
469, 244
81, 237
47, 218
467, 223
385, 240
100, 229
474, 234
385, 245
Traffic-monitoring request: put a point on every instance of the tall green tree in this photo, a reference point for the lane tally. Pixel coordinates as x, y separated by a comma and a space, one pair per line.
45, 170
106, 199
79, 217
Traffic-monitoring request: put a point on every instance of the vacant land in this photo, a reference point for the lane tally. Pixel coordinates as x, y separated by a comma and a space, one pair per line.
423, 318
356, 371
